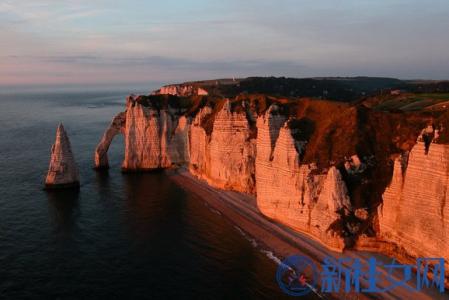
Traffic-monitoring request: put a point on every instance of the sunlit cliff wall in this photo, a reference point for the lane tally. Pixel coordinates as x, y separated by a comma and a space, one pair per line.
225, 159
153, 138
238, 153
415, 210
288, 191
346, 175
181, 90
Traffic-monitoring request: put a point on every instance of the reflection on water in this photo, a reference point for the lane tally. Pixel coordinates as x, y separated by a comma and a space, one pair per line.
102, 180
63, 206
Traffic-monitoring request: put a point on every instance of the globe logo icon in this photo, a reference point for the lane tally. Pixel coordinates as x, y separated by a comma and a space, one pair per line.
297, 275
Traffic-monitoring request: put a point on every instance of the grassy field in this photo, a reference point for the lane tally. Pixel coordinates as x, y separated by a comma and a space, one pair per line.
414, 102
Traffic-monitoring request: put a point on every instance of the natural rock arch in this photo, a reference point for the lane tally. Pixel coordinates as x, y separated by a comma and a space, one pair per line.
101, 152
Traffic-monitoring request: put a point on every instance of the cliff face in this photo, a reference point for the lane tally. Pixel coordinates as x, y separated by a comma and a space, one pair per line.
319, 167
231, 145
232, 151
154, 138
199, 159
415, 210
181, 90
101, 152
288, 191
225, 156
143, 135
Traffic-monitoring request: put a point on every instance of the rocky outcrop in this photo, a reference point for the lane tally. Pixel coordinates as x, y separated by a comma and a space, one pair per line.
181, 90
229, 145
62, 171
225, 158
319, 167
174, 140
415, 210
154, 138
231, 152
199, 160
294, 194
142, 138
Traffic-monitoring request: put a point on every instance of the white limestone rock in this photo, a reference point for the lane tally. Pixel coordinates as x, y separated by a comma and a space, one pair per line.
142, 138
154, 138
232, 152
199, 159
293, 193
415, 209
62, 171
101, 152
181, 90
226, 158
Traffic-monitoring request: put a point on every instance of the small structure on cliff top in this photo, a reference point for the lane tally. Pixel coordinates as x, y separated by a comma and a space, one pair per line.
62, 171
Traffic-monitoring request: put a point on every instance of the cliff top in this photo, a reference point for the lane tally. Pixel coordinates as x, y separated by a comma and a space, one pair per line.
345, 89
332, 128
328, 133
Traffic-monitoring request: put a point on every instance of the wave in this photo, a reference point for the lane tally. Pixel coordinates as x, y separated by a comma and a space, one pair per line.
212, 209
248, 238
271, 256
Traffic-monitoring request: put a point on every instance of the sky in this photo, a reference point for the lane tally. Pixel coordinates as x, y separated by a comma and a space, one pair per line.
114, 42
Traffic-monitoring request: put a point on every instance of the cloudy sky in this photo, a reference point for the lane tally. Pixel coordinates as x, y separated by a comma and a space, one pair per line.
137, 41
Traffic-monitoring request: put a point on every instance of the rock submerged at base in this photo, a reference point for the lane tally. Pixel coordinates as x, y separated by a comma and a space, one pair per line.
62, 171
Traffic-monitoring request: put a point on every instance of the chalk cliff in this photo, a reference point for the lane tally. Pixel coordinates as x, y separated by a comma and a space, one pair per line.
101, 152
154, 137
240, 144
62, 171
232, 151
294, 193
414, 214
199, 159
339, 172
181, 90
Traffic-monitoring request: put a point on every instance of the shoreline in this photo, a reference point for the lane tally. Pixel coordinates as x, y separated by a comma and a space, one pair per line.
272, 237
242, 217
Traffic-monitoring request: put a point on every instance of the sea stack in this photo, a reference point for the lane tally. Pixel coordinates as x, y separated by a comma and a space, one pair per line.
62, 171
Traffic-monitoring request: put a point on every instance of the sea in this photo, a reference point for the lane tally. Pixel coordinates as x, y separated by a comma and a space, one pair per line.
122, 236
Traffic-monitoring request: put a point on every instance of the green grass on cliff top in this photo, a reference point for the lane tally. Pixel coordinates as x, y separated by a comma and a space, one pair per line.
415, 102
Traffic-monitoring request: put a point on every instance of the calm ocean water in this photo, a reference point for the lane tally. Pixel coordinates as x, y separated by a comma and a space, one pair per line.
122, 235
